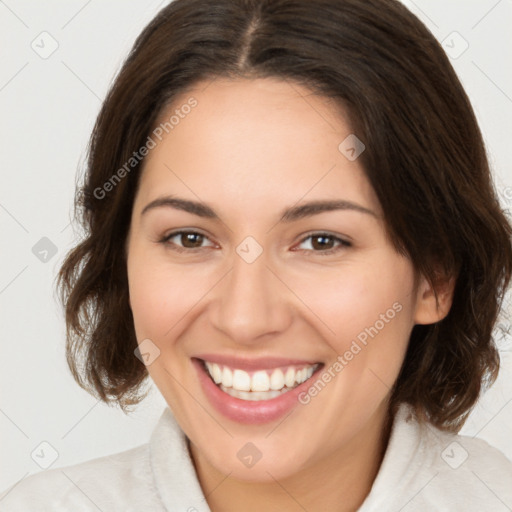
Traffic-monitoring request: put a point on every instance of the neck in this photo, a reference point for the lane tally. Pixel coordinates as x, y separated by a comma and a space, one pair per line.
339, 482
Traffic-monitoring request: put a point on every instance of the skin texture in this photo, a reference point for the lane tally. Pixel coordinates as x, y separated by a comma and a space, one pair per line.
250, 149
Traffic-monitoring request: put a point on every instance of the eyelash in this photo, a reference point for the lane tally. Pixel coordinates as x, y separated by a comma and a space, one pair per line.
342, 243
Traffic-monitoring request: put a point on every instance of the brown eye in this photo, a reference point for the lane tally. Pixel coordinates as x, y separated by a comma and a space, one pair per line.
323, 243
182, 240
191, 240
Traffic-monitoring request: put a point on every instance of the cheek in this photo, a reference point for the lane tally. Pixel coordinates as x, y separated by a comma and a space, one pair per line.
384, 328
371, 314
366, 315
157, 304
356, 297
150, 293
162, 296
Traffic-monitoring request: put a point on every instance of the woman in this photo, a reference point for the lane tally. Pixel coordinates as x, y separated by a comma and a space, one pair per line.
292, 229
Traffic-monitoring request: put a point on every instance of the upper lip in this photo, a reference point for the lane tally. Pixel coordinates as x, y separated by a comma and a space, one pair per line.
256, 363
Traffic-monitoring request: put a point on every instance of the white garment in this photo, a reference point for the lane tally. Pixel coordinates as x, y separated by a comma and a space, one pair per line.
423, 471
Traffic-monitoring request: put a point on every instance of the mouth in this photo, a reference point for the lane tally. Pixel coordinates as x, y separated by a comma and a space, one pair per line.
256, 390
253, 391
260, 384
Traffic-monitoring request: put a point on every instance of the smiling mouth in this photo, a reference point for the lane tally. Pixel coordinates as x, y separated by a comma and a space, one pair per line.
261, 384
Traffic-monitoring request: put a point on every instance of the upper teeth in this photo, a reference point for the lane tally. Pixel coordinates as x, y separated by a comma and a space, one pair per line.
261, 380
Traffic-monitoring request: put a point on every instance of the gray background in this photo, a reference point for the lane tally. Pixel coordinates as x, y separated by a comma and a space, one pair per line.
48, 104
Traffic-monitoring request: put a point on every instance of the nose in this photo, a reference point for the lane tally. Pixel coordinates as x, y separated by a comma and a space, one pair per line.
251, 302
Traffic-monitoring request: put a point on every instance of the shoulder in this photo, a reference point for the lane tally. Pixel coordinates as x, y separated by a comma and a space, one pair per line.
122, 481
446, 471
476, 473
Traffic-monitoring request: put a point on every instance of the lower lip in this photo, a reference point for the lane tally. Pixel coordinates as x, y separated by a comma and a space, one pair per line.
245, 411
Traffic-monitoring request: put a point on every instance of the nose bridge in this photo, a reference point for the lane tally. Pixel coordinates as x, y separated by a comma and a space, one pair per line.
252, 301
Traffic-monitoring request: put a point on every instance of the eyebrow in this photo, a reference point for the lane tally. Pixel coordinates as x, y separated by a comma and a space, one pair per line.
288, 215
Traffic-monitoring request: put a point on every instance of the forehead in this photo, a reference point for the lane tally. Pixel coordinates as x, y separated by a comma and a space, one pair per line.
246, 142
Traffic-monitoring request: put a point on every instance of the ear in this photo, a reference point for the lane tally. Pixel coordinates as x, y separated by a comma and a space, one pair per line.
428, 310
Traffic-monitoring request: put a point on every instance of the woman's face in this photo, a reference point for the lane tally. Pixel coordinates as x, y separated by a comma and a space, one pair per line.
265, 288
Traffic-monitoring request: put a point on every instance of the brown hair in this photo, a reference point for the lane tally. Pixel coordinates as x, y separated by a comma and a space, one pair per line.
424, 157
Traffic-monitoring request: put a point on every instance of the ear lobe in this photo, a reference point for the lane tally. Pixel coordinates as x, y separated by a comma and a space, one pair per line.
428, 309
